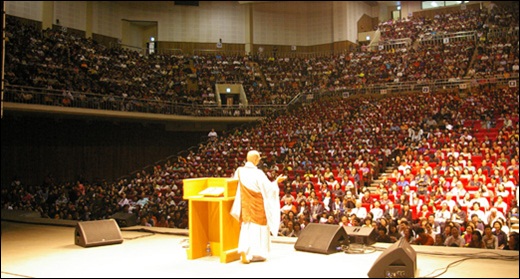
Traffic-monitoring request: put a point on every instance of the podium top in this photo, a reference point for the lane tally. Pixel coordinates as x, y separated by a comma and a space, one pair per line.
209, 187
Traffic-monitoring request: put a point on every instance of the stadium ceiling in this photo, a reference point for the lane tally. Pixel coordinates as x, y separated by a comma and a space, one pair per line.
384, 3
370, 3
247, 2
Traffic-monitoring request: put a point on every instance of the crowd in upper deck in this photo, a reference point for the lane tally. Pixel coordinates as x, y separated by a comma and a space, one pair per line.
53, 59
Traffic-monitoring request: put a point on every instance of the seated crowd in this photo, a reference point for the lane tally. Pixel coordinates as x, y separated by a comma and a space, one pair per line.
331, 151
454, 159
90, 75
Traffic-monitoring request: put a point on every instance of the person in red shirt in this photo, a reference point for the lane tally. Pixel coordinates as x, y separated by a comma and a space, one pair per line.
423, 238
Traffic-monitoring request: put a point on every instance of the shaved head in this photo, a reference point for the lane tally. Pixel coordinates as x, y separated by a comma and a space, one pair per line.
253, 156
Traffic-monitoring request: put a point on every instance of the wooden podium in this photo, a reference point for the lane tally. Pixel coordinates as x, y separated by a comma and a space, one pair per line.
210, 219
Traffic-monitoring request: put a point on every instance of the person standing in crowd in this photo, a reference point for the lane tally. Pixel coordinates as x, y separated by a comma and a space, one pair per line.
212, 135
257, 208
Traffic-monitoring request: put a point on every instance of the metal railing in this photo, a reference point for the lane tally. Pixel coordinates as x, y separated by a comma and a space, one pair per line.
170, 51
502, 32
413, 87
73, 99
393, 44
132, 48
449, 37
219, 52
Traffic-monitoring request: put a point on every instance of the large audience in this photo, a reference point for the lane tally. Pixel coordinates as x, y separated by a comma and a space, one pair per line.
453, 155
57, 60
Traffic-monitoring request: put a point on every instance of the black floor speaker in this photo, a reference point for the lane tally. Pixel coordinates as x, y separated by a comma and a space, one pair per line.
97, 233
321, 238
361, 235
125, 219
397, 261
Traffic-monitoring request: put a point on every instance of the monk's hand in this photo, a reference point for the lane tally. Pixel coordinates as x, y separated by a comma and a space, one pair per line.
281, 178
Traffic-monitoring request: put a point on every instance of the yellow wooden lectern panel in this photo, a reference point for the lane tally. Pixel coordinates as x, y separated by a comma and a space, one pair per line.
210, 219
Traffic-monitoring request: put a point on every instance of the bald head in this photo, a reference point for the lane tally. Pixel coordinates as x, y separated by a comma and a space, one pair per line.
253, 156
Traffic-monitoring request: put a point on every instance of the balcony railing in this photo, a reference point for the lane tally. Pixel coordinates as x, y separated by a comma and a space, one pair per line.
68, 99
46, 97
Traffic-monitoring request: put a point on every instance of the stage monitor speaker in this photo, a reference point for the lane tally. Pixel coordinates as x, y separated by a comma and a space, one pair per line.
97, 233
321, 238
397, 261
125, 219
361, 235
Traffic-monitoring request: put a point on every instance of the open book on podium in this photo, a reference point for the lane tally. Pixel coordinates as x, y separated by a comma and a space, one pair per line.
209, 187
212, 192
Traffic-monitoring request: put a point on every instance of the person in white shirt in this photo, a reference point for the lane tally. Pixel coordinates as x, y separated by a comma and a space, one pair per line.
458, 190
502, 191
450, 201
475, 209
453, 152
359, 210
327, 202
500, 203
212, 135
465, 201
332, 182
288, 206
443, 214
481, 200
377, 211
492, 215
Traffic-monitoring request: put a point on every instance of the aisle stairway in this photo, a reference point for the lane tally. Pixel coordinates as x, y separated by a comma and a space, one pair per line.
257, 68
479, 131
380, 179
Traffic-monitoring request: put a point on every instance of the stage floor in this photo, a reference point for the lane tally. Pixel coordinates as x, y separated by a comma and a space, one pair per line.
32, 250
